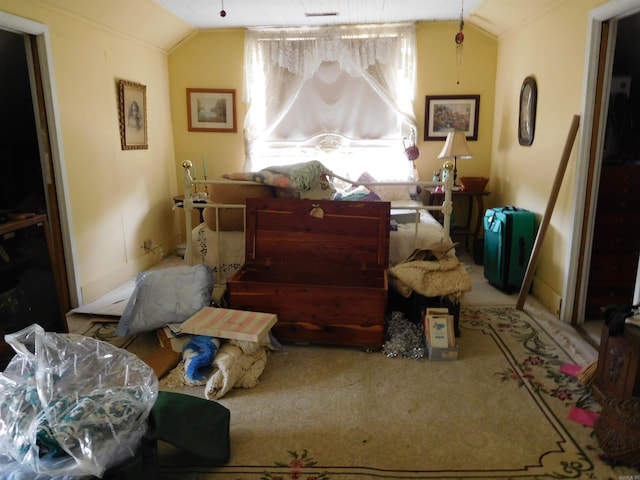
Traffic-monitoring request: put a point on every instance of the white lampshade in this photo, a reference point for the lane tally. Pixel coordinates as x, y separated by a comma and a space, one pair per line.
455, 146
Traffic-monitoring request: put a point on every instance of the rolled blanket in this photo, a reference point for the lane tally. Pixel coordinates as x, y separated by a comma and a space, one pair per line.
303, 176
234, 368
198, 355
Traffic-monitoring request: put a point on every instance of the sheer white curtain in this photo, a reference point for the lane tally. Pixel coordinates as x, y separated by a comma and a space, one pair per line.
354, 81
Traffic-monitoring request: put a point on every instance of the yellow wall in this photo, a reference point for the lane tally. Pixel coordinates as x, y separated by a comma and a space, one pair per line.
117, 198
440, 74
202, 63
211, 59
552, 49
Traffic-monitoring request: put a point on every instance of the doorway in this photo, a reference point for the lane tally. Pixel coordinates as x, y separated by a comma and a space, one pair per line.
33, 176
614, 252
593, 252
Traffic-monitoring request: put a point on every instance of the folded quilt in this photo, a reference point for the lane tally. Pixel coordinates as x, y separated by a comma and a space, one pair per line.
431, 278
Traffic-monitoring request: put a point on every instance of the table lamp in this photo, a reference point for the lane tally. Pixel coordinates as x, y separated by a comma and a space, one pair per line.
455, 146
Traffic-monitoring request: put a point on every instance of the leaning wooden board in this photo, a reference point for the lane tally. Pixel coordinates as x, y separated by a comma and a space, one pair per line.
320, 266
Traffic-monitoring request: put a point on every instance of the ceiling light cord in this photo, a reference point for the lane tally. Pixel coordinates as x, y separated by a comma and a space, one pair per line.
223, 12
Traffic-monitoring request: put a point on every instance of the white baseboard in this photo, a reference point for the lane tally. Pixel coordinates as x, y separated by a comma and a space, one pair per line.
547, 297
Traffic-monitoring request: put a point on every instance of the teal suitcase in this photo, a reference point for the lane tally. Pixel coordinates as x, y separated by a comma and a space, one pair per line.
509, 234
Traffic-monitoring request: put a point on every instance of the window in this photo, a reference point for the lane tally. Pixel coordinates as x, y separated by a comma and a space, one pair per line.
340, 95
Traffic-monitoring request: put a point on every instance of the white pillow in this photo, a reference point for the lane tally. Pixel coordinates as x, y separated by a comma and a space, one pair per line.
392, 194
387, 193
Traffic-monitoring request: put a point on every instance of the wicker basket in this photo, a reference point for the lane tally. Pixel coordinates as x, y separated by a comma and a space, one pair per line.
617, 430
473, 184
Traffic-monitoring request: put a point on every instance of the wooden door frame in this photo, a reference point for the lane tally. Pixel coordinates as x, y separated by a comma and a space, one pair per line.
598, 69
47, 118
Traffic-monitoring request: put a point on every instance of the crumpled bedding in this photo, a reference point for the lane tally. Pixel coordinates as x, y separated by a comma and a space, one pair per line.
301, 180
437, 277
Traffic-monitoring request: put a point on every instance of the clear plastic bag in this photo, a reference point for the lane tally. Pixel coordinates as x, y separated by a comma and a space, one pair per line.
71, 405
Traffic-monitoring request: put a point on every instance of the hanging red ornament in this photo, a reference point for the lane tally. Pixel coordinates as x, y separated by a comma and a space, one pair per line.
460, 35
459, 41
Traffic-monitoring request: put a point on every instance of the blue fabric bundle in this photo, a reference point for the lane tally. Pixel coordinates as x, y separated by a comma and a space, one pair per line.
198, 355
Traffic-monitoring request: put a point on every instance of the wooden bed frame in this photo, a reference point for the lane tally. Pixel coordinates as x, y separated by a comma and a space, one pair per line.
191, 200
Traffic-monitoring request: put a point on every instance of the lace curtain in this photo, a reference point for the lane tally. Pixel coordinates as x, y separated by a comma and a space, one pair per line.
279, 62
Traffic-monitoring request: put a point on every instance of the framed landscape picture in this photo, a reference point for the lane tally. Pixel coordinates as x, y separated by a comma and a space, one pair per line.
133, 115
211, 110
446, 113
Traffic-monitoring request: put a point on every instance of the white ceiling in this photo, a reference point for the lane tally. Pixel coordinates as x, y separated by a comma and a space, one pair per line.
205, 14
494, 16
166, 23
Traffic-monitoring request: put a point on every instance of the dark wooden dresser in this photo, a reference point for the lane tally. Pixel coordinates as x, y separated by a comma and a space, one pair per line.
615, 248
618, 370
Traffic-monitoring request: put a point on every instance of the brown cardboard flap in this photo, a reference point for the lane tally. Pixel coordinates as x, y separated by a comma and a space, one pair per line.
162, 360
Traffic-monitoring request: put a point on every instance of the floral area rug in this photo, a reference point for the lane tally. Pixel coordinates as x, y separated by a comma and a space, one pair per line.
500, 411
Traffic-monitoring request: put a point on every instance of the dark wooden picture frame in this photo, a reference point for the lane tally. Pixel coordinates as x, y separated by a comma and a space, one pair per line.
132, 100
527, 114
446, 113
211, 110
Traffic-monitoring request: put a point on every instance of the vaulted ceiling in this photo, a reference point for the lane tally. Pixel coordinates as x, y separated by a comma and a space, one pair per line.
164, 23
495, 16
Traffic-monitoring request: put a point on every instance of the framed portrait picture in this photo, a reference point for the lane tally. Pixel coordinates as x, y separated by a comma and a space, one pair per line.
527, 115
133, 115
211, 110
446, 113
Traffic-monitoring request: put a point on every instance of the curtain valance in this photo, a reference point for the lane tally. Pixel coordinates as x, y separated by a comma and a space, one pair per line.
355, 48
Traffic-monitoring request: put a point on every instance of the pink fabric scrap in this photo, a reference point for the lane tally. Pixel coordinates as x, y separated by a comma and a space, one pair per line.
571, 369
582, 416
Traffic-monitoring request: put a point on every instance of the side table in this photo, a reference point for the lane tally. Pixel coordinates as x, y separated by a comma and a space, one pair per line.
178, 200
467, 228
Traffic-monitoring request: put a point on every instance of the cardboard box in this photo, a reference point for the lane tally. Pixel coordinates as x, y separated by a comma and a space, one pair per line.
442, 354
229, 323
439, 334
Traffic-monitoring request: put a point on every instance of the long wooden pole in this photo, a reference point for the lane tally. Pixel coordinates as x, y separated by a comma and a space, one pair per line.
544, 223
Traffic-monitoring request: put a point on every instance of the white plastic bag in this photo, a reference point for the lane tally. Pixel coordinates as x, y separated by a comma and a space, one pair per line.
70, 404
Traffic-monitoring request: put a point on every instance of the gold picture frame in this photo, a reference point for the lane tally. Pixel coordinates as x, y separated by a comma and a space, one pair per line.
211, 110
133, 115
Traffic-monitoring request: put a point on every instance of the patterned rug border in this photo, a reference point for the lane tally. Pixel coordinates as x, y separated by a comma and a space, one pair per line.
569, 460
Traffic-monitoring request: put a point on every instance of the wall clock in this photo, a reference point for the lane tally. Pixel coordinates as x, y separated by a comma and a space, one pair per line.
527, 118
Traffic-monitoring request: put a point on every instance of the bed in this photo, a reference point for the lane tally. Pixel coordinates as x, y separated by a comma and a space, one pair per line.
224, 250
219, 240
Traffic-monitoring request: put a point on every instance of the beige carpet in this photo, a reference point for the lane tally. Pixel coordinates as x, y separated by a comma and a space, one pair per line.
499, 411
